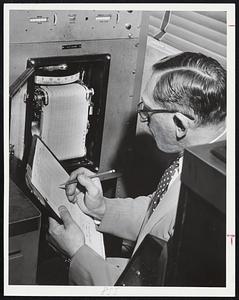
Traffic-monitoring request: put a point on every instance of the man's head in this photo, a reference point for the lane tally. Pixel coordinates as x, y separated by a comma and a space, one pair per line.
190, 88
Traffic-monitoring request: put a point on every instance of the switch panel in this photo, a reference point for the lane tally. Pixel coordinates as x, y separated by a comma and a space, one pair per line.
69, 25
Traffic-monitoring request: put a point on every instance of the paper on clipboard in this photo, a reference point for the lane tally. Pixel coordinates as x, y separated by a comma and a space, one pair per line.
46, 176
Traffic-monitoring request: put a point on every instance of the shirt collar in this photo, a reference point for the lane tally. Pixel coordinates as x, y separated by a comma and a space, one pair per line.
180, 162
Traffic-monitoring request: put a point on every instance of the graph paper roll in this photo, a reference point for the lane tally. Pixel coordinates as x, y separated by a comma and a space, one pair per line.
64, 120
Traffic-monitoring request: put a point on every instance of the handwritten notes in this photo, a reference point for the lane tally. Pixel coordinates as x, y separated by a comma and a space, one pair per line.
109, 291
47, 175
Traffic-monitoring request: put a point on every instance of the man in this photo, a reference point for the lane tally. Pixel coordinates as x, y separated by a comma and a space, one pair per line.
184, 104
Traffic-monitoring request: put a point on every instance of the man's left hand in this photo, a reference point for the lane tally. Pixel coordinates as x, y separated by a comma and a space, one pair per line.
68, 236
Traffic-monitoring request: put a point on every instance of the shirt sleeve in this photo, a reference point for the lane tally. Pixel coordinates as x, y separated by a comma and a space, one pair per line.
89, 268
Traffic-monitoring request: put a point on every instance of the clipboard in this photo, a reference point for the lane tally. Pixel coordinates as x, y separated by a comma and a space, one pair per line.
44, 174
28, 178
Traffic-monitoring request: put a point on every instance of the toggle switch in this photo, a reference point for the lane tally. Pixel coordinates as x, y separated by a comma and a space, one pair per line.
72, 18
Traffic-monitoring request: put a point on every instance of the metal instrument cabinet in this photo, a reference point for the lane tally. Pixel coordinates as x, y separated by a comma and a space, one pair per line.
198, 256
24, 231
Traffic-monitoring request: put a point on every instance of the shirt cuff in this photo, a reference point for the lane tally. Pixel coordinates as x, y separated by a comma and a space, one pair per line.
97, 222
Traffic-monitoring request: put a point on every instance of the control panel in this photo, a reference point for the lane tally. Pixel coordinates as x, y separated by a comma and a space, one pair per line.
69, 25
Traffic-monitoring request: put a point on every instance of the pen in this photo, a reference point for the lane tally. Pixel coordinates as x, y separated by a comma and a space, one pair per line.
99, 175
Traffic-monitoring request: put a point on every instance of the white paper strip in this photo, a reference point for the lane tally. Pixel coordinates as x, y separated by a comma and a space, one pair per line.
64, 120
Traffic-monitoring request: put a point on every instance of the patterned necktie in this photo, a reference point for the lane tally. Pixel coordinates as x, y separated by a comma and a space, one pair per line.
163, 185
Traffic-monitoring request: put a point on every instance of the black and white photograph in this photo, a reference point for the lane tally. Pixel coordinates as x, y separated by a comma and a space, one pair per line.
119, 153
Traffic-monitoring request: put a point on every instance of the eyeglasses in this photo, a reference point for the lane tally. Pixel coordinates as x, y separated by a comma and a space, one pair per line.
145, 112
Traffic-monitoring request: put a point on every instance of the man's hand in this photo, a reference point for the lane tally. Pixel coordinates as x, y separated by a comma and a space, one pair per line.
93, 203
68, 237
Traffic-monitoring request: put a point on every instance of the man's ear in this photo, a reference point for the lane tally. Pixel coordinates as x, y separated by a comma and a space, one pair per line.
181, 125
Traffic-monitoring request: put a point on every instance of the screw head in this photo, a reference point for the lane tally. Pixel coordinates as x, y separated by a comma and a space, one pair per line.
138, 273
128, 26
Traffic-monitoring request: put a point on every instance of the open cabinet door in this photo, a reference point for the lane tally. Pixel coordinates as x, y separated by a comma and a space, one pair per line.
18, 96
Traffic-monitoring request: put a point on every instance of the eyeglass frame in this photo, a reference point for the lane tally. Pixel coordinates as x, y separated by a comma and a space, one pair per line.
155, 111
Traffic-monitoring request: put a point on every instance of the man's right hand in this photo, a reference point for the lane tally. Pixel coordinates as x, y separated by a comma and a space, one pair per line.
93, 203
